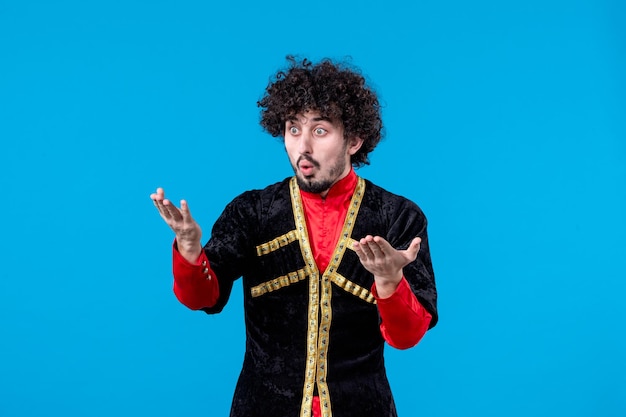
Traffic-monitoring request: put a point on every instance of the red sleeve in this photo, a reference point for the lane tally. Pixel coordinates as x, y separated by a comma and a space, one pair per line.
195, 284
404, 319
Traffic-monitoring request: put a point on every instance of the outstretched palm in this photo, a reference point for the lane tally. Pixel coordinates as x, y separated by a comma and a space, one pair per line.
384, 261
187, 230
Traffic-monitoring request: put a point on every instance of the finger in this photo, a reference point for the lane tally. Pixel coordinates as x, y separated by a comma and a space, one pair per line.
364, 257
171, 210
159, 204
184, 208
383, 244
357, 248
365, 248
158, 195
376, 249
185, 212
413, 249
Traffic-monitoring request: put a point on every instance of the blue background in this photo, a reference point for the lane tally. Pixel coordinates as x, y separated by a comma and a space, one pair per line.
505, 122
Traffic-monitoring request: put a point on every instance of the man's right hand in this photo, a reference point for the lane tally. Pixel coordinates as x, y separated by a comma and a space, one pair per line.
188, 232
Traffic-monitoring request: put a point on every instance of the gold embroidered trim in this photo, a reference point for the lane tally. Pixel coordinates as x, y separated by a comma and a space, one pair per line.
313, 273
349, 286
282, 281
344, 242
277, 243
278, 283
353, 288
320, 299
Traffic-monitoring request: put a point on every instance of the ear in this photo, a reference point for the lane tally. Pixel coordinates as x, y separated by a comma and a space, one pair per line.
354, 144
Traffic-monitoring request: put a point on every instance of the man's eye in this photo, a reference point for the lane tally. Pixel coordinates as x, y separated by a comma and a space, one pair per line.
293, 130
319, 131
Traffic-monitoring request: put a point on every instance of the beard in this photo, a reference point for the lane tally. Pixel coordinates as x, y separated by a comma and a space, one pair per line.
312, 186
318, 186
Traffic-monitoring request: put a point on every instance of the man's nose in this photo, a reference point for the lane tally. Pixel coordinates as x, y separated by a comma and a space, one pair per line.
304, 145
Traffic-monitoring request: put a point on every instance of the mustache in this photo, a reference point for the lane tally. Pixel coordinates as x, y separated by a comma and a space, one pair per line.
309, 159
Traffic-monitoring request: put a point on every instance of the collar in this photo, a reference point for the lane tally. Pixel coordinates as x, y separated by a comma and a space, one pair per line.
342, 188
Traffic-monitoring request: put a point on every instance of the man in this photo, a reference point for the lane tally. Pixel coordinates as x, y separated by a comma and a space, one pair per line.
332, 265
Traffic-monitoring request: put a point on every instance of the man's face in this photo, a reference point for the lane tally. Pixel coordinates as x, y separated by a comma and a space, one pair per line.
318, 152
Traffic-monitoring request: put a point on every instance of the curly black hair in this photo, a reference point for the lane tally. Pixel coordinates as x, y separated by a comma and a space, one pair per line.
334, 90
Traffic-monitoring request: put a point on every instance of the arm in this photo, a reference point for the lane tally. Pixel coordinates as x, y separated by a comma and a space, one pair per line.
195, 284
404, 319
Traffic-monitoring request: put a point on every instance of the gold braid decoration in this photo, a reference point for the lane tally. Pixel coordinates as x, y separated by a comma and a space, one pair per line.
275, 244
278, 283
353, 288
320, 295
313, 308
345, 241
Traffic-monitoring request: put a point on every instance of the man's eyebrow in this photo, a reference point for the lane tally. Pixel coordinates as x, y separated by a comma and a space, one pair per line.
294, 119
322, 119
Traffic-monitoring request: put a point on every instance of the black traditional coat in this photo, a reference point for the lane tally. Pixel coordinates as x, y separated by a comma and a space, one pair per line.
311, 332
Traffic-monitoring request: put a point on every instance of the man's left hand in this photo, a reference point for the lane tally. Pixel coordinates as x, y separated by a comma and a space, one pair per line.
385, 262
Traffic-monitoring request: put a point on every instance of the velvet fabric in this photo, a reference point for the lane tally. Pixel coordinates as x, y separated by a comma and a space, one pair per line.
273, 375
